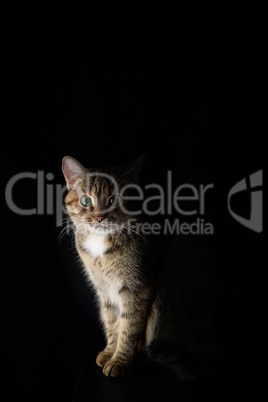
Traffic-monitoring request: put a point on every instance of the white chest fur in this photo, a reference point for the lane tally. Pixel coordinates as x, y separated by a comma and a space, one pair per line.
95, 244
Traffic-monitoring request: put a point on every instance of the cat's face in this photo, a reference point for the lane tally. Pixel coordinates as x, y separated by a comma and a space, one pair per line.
94, 202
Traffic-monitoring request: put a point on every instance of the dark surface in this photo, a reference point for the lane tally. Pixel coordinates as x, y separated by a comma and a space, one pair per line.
149, 383
188, 93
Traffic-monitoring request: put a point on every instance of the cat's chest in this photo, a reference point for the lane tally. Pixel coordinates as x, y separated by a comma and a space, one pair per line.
103, 274
108, 285
95, 245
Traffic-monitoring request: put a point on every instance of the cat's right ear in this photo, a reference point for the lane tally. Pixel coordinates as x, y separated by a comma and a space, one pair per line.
72, 170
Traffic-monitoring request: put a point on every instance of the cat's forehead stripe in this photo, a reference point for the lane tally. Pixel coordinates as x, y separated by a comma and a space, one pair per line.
98, 186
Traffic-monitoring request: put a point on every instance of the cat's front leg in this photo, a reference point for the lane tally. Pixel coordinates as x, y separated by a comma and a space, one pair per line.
110, 318
130, 330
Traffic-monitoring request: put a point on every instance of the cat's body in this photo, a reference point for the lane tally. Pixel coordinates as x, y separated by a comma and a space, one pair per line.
124, 293
143, 306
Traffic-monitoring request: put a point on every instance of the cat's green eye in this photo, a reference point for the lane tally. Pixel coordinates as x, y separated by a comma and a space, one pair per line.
114, 200
85, 201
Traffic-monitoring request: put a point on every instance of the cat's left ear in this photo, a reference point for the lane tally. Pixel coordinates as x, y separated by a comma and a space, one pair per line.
72, 170
132, 172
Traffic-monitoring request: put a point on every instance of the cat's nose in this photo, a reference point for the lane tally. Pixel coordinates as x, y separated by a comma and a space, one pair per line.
99, 218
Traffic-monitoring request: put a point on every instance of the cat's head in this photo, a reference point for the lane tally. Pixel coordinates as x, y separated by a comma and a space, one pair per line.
96, 200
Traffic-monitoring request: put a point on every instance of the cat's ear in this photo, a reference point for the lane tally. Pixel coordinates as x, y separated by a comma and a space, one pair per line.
72, 170
132, 171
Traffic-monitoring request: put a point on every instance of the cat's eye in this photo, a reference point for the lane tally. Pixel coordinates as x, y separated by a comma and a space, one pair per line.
85, 201
114, 200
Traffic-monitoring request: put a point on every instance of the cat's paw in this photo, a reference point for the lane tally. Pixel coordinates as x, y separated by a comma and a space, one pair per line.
114, 368
103, 357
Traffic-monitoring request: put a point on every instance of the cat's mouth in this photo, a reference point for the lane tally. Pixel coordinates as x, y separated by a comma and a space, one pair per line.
102, 228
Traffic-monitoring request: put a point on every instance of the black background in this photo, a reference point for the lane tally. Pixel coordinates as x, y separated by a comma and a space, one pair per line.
187, 92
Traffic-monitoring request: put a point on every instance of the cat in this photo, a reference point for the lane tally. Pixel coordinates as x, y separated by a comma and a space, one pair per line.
159, 304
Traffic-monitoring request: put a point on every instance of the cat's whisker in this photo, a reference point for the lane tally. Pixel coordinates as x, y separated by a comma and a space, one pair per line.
139, 234
126, 229
63, 221
65, 231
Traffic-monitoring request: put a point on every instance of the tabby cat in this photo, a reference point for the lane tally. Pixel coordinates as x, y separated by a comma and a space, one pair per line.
161, 306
